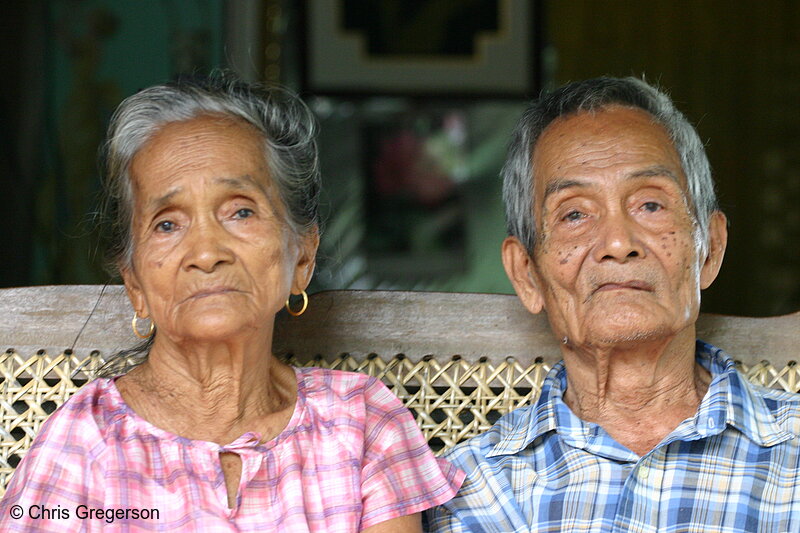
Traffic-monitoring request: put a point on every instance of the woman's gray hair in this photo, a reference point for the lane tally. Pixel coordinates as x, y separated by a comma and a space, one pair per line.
285, 123
595, 95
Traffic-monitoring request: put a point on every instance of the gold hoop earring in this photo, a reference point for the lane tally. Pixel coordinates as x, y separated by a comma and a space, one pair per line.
302, 309
136, 329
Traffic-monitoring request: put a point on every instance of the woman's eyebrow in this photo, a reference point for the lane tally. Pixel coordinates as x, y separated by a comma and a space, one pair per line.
240, 183
157, 203
243, 182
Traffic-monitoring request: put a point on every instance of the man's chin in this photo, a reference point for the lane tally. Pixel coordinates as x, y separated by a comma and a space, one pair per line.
621, 328
621, 338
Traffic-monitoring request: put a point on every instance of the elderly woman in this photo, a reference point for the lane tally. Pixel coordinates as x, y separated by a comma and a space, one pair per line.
214, 187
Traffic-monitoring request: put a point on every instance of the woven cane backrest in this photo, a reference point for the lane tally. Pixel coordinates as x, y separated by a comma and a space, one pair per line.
458, 361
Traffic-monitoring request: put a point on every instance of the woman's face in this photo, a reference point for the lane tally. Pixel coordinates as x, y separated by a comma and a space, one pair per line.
212, 257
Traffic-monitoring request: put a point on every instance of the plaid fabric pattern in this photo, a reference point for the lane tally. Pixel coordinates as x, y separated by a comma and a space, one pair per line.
733, 467
351, 456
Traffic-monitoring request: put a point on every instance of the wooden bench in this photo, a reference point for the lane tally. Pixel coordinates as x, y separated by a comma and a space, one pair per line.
458, 361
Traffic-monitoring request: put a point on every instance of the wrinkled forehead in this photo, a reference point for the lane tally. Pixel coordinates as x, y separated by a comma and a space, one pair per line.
171, 138
611, 141
197, 145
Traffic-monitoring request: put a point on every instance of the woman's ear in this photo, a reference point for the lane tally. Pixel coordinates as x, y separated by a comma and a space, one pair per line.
306, 260
717, 242
134, 290
519, 267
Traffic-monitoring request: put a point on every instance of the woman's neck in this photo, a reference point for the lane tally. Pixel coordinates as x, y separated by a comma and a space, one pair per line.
212, 391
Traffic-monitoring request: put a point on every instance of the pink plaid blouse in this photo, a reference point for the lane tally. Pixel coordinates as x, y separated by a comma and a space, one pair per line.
351, 457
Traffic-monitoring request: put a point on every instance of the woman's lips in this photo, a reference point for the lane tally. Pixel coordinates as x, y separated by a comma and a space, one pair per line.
215, 291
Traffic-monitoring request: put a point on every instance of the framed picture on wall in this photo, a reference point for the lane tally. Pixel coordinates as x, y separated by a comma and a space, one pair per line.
421, 47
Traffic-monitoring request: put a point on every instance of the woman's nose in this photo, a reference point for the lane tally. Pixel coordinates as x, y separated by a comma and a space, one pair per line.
619, 238
208, 247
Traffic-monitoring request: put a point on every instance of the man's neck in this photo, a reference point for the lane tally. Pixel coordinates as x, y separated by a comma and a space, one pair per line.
638, 393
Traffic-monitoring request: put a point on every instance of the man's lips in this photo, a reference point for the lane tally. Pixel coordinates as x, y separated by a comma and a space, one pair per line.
625, 285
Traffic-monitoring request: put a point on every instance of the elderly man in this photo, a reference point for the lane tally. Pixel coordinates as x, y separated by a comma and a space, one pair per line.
614, 230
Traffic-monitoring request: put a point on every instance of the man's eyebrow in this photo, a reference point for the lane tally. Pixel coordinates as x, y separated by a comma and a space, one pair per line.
560, 184
653, 172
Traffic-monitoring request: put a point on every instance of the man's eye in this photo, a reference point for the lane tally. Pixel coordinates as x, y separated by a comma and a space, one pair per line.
244, 213
165, 226
652, 206
573, 216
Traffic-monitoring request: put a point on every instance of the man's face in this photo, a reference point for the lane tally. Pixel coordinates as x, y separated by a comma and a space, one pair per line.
616, 259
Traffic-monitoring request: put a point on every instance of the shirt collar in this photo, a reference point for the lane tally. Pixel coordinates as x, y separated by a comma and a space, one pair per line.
733, 401
527, 424
730, 400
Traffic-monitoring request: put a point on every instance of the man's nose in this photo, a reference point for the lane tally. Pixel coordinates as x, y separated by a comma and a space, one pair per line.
208, 246
619, 238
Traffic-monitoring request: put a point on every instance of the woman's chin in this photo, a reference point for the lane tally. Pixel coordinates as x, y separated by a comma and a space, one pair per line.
214, 328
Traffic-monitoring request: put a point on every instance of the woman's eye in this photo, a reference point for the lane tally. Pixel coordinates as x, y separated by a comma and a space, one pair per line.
651, 206
165, 226
244, 213
573, 216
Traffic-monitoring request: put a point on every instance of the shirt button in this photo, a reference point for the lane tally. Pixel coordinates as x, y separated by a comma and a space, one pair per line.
711, 424
644, 472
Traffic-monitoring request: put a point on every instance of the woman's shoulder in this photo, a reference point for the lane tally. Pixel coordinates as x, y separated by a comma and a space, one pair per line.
337, 392
71, 438
325, 381
84, 416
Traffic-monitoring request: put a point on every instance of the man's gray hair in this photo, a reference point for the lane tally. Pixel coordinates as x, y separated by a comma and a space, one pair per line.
595, 95
286, 125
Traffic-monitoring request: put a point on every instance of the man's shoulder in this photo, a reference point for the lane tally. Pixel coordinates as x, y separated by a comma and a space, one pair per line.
487, 499
765, 413
515, 430
783, 405
511, 429
775, 398
717, 361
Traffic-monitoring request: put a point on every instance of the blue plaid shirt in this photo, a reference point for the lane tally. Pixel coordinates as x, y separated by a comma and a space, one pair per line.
732, 467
